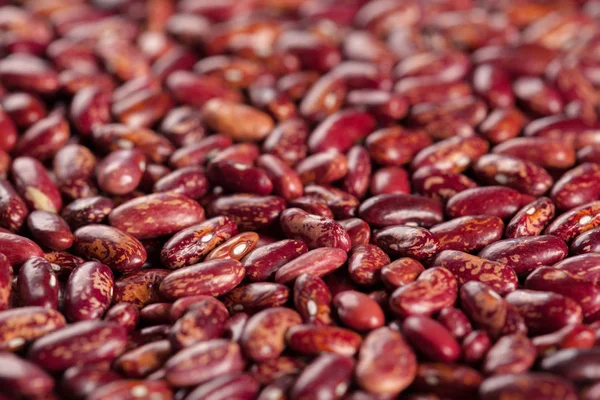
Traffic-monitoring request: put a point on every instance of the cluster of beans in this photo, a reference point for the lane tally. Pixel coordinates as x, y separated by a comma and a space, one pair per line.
300, 199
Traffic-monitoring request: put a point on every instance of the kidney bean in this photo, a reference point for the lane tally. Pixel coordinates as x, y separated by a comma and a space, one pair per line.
575, 222
312, 299
139, 287
390, 180
440, 184
571, 131
577, 186
13, 210
121, 171
386, 364
190, 245
261, 263
74, 166
549, 153
466, 267
113, 137
21, 325
525, 254
80, 381
28, 73
453, 381
356, 181
220, 113
475, 346
286, 182
34, 185
216, 277
523, 176
431, 338
50, 230
588, 154
322, 168
6, 281
188, 181
111, 246
197, 153
407, 241
87, 211
499, 201
401, 209
484, 307
315, 231
37, 284
573, 364
131, 388
20, 109
314, 339
514, 323
530, 385
576, 336
240, 386
510, 354
205, 321
156, 215
365, 263
357, 311
545, 312
328, 375
21, 378
249, 212
494, 85
18, 249
237, 177
342, 204
395, 146
358, 230
455, 321
558, 281
454, 153
144, 360
89, 291
124, 314
234, 248
531, 219
44, 138
271, 371
156, 313
537, 96
340, 130
317, 262
434, 290
587, 242
90, 107
94, 341
468, 233
427, 89
287, 141
255, 297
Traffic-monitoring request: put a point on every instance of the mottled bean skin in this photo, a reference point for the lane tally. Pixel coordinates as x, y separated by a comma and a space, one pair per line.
575, 221
434, 290
395, 146
79, 343
455, 153
155, 215
80, 381
525, 254
139, 287
6, 278
263, 337
312, 300
484, 307
475, 346
466, 267
37, 284
584, 267
318, 262
269, 371
13, 209
261, 263
342, 204
439, 183
111, 246
358, 230
468, 234
87, 211
239, 178
144, 360
531, 219
314, 339
20, 325
202, 362
545, 152
124, 314
499, 201
313, 230
510, 354
545, 312
216, 278
527, 386
192, 244
89, 291
127, 389
451, 381
205, 321
240, 386
401, 272
35, 186
365, 263
50, 230
407, 241
121, 171
401, 209
386, 363
328, 376
577, 186
249, 212
254, 297
587, 242
235, 248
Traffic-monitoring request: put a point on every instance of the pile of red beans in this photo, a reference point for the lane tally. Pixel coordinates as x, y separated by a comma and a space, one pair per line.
300, 199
